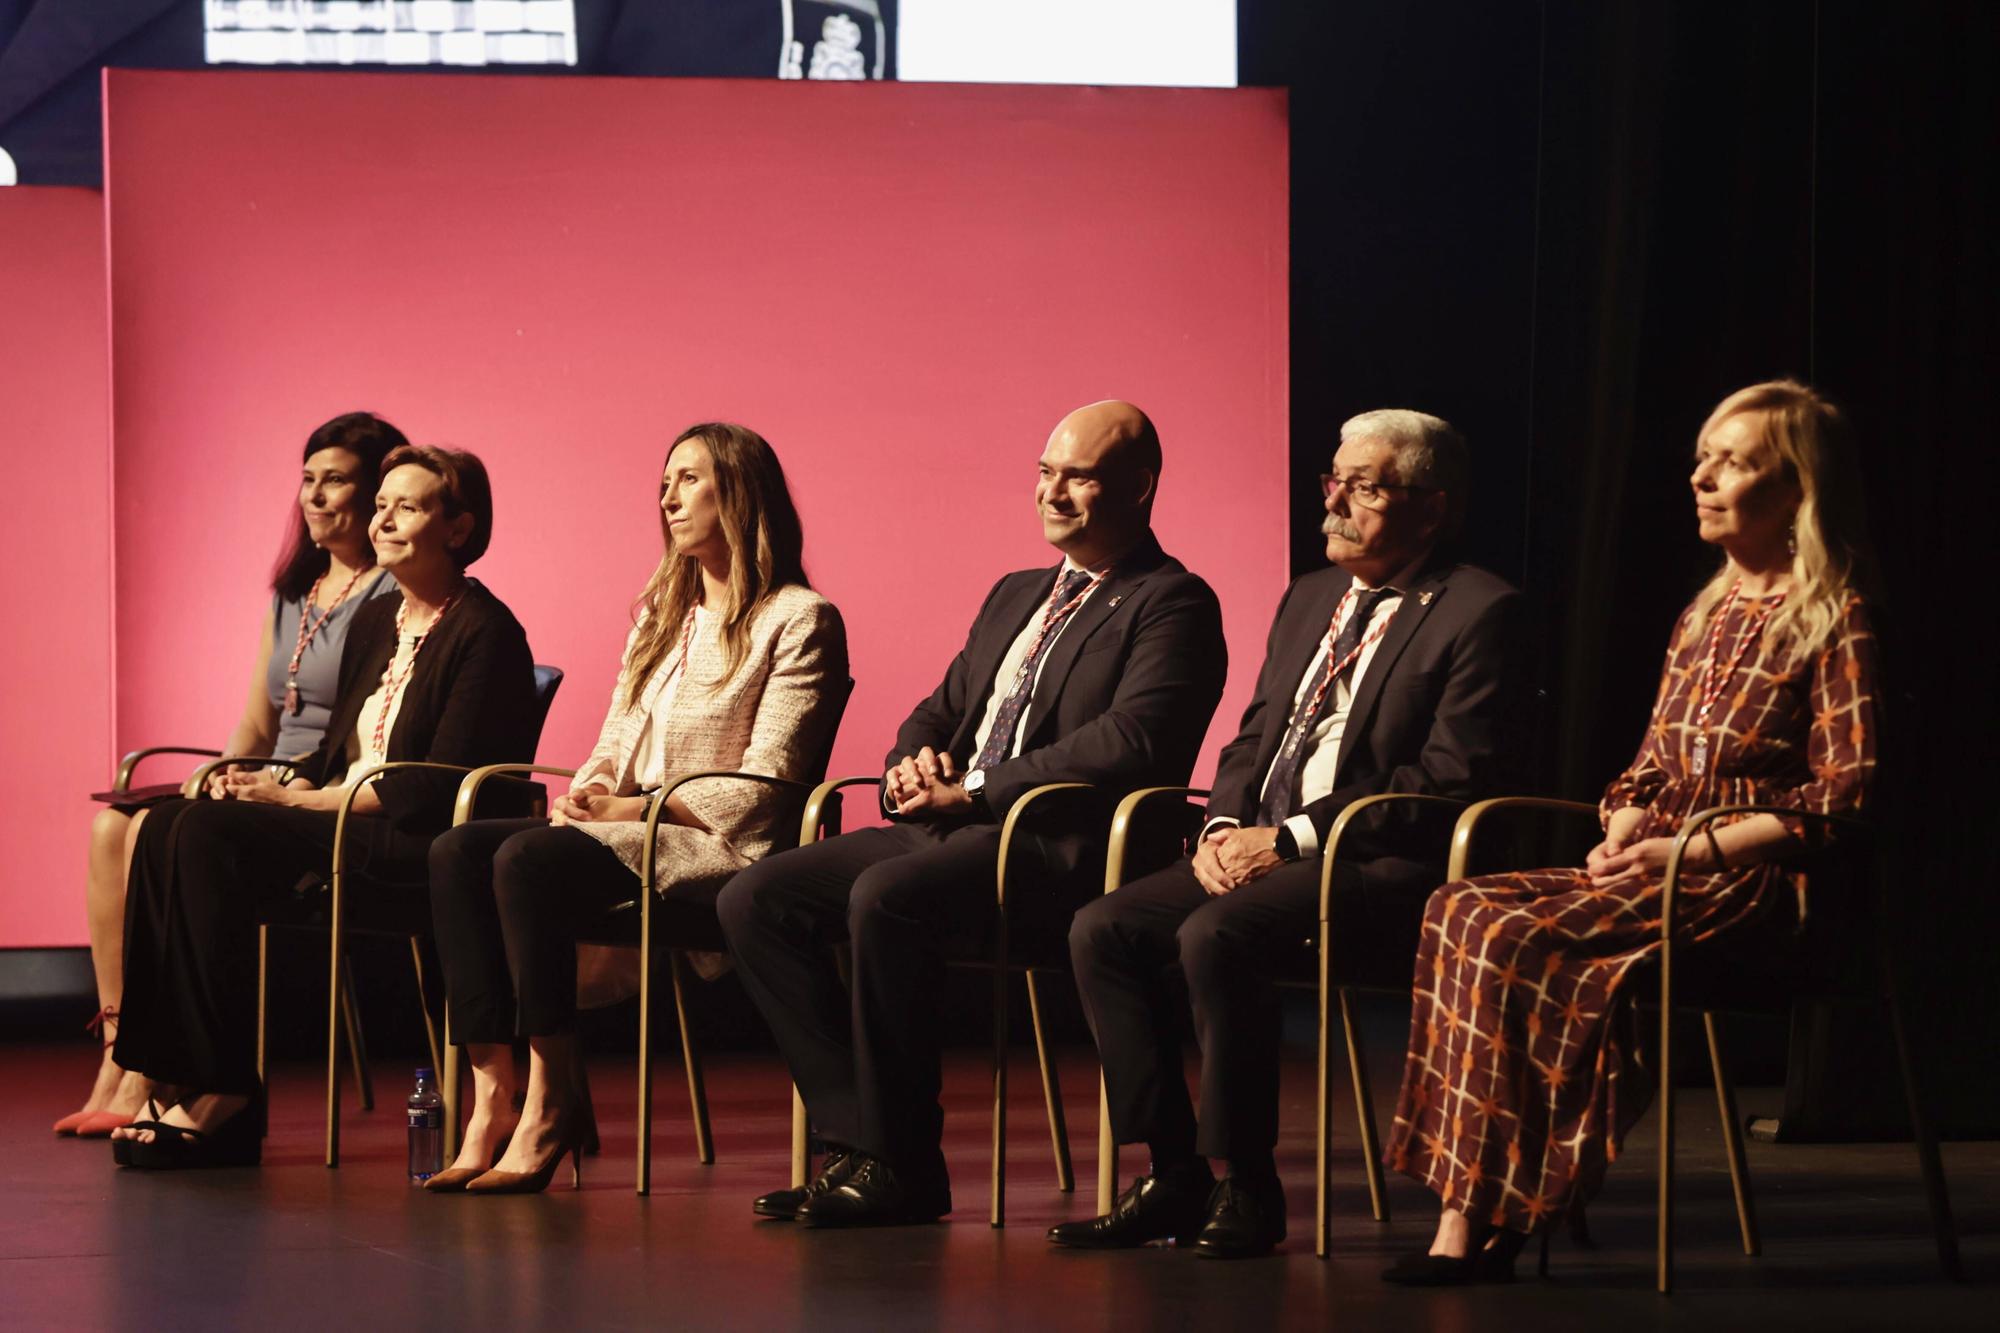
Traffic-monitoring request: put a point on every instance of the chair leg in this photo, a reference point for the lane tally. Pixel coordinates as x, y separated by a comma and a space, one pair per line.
1364, 1109
645, 1150
263, 996
801, 1140
1107, 1152
448, 1076
998, 1212
1664, 1257
1929, 1161
424, 1003
1051, 1092
336, 1002
1323, 1124
357, 1036
704, 1145
1732, 1139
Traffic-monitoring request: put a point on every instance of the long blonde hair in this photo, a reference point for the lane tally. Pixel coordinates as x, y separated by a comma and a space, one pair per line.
1830, 557
766, 546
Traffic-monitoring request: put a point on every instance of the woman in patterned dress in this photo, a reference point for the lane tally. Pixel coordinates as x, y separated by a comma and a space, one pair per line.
735, 663
1519, 1082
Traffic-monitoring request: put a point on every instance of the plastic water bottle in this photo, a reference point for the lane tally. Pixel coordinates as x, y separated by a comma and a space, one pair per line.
426, 1129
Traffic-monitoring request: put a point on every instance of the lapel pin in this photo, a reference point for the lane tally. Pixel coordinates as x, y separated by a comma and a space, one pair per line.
1424, 598
1114, 601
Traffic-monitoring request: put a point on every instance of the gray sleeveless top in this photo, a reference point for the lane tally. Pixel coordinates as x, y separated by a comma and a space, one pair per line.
319, 670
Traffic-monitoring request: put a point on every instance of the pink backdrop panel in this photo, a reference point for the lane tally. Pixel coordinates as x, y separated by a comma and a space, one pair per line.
902, 287
55, 656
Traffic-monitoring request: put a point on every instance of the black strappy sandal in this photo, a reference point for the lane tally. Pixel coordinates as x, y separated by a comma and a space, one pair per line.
237, 1141
121, 1149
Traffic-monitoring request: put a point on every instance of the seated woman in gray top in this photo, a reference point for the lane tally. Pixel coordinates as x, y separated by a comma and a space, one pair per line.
326, 570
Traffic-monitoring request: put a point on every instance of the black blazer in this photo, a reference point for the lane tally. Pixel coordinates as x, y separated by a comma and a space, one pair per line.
1435, 713
470, 700
1125, 694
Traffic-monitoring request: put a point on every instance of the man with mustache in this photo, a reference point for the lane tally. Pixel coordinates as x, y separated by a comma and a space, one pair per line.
1391, 672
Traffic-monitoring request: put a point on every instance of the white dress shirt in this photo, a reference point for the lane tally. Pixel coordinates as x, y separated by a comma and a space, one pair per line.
1017, 653
1322, 744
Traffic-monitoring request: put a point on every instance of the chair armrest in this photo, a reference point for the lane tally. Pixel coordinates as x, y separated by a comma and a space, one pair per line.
1468, 824
1701, 819
812, 823
468, 790
1039, 801
1121, 826
123, 782
197, 781
346, 807
658, 805
1346, 817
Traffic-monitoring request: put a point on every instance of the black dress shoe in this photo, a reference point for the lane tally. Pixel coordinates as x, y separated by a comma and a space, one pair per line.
1246, 1218
786, 1203
874, 1195
1172, 1205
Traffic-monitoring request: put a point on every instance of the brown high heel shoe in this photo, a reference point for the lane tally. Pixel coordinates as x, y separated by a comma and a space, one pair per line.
454, 1179
569, 1143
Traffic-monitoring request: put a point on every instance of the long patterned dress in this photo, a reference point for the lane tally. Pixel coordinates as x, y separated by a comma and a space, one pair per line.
1519, 1083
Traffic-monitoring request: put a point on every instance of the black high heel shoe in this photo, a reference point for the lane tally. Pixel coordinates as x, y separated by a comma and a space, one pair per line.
121, 1149
1489, 1257
1494, 1261
237, 1141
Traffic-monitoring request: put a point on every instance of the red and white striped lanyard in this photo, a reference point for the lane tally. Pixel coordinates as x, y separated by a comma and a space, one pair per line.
393, 680
292, 704
1333, 668
1716, 677
1052, 619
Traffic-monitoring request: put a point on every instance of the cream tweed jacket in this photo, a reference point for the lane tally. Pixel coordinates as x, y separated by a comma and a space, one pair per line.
774, 716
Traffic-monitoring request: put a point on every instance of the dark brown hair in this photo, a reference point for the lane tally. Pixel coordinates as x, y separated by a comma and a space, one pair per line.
466, 490
368, 438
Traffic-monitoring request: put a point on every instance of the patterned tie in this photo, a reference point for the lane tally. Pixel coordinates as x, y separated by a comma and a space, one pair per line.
1062, 605
1281, 791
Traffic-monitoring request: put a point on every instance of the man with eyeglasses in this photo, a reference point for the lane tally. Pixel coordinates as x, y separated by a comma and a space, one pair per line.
1393, 671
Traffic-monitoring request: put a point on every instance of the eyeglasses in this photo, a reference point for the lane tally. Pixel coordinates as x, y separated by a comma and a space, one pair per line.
1360, 490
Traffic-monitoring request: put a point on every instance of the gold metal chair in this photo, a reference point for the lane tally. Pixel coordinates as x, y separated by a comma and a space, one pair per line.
639, 912
1674, 994
1330, 989
822, 818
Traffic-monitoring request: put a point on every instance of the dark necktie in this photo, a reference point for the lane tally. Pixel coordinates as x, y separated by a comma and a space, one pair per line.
1281, 791
1061, 606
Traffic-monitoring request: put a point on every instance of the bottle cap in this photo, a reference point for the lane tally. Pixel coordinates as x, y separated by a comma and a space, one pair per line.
423, 1071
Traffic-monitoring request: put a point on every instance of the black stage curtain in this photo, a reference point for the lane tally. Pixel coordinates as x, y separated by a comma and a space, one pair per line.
1571, 228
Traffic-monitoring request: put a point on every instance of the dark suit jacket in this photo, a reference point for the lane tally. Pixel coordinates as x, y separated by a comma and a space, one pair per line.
1435, 713
470, 700
1125, 695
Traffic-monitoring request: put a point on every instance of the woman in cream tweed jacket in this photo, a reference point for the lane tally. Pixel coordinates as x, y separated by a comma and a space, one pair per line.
734, 663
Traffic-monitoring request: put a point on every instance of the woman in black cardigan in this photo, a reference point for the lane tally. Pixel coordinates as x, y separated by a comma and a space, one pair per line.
440, 672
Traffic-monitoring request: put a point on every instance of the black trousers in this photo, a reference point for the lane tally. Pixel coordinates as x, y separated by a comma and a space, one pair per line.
201, 872
903, 899
1229, 947
508, 900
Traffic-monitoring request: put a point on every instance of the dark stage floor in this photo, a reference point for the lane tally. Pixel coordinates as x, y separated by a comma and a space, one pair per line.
295, 1245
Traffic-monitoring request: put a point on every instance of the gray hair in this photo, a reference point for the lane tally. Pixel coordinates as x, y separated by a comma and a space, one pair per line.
1429, 452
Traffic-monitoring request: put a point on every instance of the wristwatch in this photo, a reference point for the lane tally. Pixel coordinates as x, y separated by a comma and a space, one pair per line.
1287, 845
975, 784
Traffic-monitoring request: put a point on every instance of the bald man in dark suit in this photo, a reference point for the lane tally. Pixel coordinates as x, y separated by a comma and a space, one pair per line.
1105, 670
